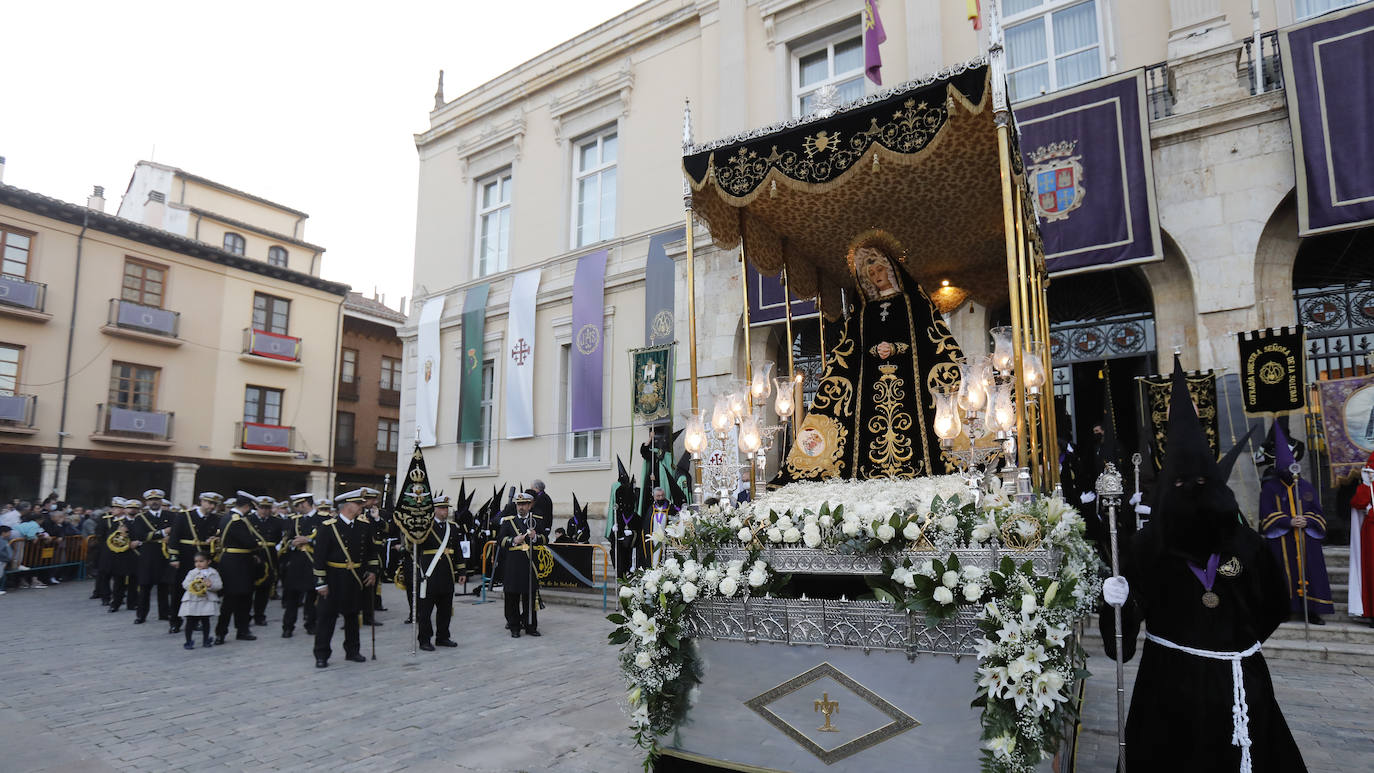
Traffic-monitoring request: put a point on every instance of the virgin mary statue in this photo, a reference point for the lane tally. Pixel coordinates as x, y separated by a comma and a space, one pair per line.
873, 413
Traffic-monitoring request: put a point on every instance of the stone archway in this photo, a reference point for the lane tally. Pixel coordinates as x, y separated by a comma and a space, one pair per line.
1274, 258
1175, 303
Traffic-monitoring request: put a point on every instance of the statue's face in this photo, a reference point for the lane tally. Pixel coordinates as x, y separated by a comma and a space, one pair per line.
875, 274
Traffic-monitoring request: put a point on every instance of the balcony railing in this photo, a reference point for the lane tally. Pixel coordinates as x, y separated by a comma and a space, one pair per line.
253, 436
17, 411
23, 293
1270, 71
1159, 91
274, 346
348, 390
389, 397
116, 421
344, 452
385, 459
144, 319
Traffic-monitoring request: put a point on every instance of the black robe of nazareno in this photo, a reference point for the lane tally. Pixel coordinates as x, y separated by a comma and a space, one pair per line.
1180, 715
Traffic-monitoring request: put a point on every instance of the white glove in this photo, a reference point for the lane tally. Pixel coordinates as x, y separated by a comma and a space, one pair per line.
1087, 496
1135, 498
1367, 475
1115, 590
1142, 509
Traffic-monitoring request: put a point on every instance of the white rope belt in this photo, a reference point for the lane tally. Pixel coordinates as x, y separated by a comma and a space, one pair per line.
1240, 710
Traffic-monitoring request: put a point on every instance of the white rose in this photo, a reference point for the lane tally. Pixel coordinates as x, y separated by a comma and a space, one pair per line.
981, 533
943, 595
734, 568
784, 523
689, 591
626, 592
827, 521
712, 577
900, 575
911, 531
812, 539
669, 586
691, 572
775, 534
949, 523
850, 528
972, 592
643, 660
745, 535
728, 586
1028, 605
949, 579
757, 577
791, 535
885, 533
972, 573
734, 523
639, 618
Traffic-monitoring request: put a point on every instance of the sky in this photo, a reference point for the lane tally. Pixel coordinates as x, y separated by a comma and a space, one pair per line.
310, 104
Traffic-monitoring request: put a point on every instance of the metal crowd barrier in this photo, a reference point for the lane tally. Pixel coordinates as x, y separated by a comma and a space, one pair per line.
490, 549
40, 555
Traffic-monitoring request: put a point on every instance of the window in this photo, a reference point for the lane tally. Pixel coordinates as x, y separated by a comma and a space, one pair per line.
594, 188
479, 451
143, 283
343, 429
276, 256
837, 60
133, 386
391, 374
388, 435
270, 313
9, 369
1051, 44
233, 243
493, 224
262, 405
14, 253
580, 446
348, 366
1306, 9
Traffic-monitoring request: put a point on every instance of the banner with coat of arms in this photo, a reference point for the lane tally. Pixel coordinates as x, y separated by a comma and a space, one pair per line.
652, 393
414, 510
1273, 370
660, 308
1347, 423
1202, 387
1087, 155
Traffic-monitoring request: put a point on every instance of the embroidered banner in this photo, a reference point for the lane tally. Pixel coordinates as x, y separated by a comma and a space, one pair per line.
265, 437
413, 513
1328, 75
427, 370
1087, 155
1347, 422
1202, 387
587, 345
766, 304
660, 320
144, 422
470, 391
520, 356
1273, 370
652, 391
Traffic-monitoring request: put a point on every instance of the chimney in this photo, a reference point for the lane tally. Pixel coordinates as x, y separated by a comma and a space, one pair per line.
96, 200
403, 306
2, 169
155, 210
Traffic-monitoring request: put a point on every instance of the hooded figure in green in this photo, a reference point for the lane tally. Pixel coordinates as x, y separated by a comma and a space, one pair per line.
1210, 592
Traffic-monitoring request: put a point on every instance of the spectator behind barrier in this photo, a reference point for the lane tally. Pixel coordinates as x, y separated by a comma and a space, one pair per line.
6, 554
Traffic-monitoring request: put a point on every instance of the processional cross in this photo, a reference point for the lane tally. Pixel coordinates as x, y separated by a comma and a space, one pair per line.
827, 707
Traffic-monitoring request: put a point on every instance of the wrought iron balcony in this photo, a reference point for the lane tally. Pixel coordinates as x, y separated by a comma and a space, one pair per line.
1270, 69
389, 397
344, 451
17, 412
112, 421
273, 346
385, 459
138, 317
1159, 91
23, 294
348, 390
254, 436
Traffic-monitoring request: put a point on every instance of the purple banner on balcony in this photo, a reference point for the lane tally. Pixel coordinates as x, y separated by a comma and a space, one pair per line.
1087, 156
765, 300
14, 408
145, 422
17, 292
266, 437
1328, 72
588, 346
147, 318
278, 347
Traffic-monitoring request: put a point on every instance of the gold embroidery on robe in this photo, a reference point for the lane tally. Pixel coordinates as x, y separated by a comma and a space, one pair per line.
891, 453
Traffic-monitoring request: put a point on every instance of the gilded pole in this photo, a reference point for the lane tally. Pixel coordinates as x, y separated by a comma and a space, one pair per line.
748, 352
1013, 282
791, 366
691, 275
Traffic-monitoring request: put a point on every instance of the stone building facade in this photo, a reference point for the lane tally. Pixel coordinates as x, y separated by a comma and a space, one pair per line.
367, 429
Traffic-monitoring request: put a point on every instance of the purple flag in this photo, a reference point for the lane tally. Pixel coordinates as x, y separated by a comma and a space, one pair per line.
874, 35
589, 286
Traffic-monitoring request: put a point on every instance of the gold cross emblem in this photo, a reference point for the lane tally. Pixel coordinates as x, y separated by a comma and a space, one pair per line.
827, 707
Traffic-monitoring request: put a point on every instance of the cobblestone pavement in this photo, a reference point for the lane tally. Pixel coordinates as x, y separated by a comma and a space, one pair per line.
89, 691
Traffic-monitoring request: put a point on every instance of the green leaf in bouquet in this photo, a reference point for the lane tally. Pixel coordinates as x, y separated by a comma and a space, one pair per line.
838, 512
1006, 566
952, 564
939, 567
618, 619
883, 595
895, 521
824, 511
924, 585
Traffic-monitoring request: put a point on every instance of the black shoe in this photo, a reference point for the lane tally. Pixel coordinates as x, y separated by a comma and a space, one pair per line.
355, 658
173, 628
426, 646
260, 620
533, 632
207, 643
94, 596
114, 607
219, 640
409, 620
446, 643
515, 634
321, 663
380, 608
286, 634
377, 623
188, 646
246, 637
140, 620
310, 630
104, 602
1317, 620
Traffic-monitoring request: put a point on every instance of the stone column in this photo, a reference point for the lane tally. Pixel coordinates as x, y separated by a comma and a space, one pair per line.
321, 483
53, 476
183, 493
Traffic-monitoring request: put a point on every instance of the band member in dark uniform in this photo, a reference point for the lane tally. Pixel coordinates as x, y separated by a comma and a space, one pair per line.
345, 571
371, 517
102, 553
297, 565
121, 555
150, 528
518, 534
240, 563
192, 532
441, 562
269, 531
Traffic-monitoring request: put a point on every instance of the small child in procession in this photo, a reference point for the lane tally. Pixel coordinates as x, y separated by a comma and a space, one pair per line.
201, 601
